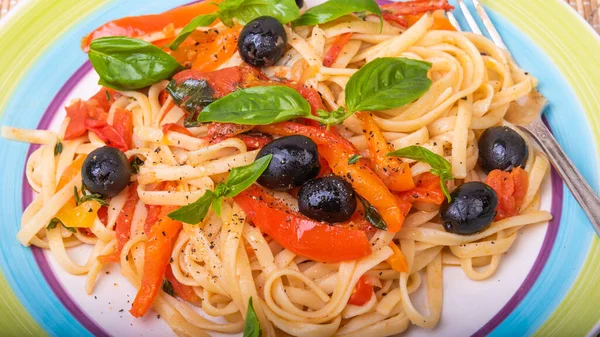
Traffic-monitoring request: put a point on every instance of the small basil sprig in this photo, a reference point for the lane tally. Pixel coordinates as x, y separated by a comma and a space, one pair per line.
124, 63
242, 10
56, 221
167, 287
353, 159
439, 166
398, 81
333, 9
372, 215
239, 179
85, 196
251, 326
58, 148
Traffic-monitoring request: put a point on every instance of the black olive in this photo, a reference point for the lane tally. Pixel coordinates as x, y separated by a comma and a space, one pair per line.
106, 171
502, 148
295, 161
472, 209
329, 199
262, 41
299, 3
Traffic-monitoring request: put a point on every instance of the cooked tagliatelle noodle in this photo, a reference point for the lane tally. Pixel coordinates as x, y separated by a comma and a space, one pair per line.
226, 260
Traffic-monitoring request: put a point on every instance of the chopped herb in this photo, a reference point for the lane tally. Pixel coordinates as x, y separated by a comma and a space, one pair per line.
167, 287
371, 215
135, 164
58, 148
252, 326
87, 197
55, 221
107, 95
354, 159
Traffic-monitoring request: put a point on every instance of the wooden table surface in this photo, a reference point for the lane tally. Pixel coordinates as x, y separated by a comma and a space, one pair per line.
588, 9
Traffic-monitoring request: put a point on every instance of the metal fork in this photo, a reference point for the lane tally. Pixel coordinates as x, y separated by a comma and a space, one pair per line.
583, 193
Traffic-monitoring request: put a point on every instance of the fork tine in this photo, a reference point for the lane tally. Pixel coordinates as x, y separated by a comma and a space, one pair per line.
470, 20
453, 21
489, 25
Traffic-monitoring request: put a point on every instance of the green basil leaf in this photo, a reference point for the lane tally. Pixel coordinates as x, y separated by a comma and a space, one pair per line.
53, 223
372, 216
192, 95
257, 106
240, 178
247, 10
386, 83
135, 164
199, 21
217, 205
333, 9
195, 212
167, 287
439, 166
354, 159
70, 229
125, 63
58, 148
252, 326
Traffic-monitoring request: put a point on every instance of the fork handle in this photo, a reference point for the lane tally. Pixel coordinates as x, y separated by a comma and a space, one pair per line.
581, 190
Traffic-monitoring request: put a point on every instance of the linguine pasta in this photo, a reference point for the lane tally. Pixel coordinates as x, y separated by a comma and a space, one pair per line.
226, 260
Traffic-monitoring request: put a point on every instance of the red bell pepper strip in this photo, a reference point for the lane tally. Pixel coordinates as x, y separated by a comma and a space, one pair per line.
134, 26
391, 17
362, 292
427, 190
392, 171
336, 151
176, 128
417, 6
156, 258
511, 188
301, 235
335, 49
254, 142
123, 225
186, 293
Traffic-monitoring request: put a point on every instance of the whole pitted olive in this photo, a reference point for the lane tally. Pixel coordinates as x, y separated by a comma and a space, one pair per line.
106, 171
295, 161
262, 41
472, 209
329, 199
502, 148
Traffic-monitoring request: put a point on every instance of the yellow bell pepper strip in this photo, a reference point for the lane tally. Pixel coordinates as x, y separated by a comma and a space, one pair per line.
397, 261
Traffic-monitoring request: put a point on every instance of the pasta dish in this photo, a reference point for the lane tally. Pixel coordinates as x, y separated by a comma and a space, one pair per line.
290, 171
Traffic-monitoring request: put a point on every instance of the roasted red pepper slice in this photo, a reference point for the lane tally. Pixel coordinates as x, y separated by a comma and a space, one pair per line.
335, 49
362, 292
511, 188
301, 235
427, 190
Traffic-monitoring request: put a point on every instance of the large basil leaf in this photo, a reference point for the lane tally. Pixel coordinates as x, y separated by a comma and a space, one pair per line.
386, 83
125, 63
257, 106
333, 9
439, 165
247, 10
192, 95
195, 212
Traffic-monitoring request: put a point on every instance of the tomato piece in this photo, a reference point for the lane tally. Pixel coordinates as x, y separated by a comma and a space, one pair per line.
336, 150
335, 49
301, 235
186, 293
392, 171
157, 255
123, 224
78, 114
428, 189
417, 6
510, 188
103, 215
176, 128
133, 26
107, 133
123, 125
314, 99
362, 292
254, 142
